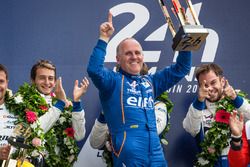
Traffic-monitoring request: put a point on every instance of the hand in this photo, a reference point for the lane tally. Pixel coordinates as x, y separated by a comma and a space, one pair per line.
59, 91
4, 152
236, 123
107, 29
203, 91
68, 103
229, 91
79, 91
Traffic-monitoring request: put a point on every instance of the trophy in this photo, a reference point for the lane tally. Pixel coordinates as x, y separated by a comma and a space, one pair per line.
189, 37
17, 141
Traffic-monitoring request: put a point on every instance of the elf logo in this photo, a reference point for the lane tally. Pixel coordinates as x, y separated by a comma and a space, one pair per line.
141, 102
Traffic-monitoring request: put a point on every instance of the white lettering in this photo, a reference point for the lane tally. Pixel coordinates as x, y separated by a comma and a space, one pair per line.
139, 102
132, 101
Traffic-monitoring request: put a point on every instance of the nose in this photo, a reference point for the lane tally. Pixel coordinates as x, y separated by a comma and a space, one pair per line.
133, 56
46, 80
210, 88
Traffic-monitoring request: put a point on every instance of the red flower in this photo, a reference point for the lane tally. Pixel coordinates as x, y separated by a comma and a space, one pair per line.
222, 116
52, 94
43, 108
31, 116
69, 132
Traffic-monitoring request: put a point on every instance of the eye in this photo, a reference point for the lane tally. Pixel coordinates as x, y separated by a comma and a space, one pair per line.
138, 53
51, 78
41, 77
213, 82
128, 53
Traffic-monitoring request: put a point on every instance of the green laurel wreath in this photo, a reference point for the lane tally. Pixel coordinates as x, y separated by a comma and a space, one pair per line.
217, 137
58, 148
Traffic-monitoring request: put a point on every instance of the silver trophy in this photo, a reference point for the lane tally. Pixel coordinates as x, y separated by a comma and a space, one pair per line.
189, 37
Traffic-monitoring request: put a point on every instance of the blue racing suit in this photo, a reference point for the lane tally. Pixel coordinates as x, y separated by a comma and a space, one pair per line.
128, 105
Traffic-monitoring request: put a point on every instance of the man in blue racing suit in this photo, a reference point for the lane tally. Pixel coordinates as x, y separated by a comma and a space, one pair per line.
127, 99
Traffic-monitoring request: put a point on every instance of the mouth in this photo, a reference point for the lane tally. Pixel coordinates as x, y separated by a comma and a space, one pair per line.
46, 87
134, 63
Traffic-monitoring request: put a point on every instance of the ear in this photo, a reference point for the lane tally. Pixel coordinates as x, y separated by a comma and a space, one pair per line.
118, 59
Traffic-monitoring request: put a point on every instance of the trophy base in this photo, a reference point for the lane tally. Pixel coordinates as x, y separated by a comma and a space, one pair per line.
189, 38
18, 142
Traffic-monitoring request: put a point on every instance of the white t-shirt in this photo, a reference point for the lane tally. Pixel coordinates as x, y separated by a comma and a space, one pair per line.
7, 125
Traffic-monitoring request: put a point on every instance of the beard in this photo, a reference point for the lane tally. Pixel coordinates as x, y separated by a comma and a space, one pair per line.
2, 94
214, 97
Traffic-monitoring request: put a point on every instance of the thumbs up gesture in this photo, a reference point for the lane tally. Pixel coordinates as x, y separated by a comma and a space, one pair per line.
229, 91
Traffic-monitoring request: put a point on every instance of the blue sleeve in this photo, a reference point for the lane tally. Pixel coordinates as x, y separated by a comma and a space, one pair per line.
168, 77
77, 106
101, 77
198, 105
60, 105
238, 101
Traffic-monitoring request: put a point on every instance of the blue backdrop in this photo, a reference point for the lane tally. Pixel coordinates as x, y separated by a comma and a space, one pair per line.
65, 32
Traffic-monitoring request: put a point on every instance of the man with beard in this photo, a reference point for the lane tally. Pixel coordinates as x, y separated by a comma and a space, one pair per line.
200, 116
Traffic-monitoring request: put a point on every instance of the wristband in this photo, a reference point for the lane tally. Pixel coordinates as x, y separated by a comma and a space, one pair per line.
236, 147
236, 138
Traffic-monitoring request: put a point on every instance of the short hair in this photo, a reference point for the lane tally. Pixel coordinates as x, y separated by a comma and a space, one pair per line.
205, 68
42, 64
4, 69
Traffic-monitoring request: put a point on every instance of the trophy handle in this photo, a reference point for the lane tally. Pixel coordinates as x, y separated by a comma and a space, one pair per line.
167, 17
191, 8
180, 12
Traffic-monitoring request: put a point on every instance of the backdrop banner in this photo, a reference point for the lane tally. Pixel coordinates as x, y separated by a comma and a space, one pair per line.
65, 32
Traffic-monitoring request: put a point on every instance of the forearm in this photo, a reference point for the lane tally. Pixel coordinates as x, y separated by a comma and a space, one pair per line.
244, 108
78, 121
96, 61
183, 63
239, 151
171, 75
193, 120
98, 135
237, 157
48, 119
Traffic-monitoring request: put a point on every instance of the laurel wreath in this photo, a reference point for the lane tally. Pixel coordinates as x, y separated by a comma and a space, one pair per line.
58, 147
217, 137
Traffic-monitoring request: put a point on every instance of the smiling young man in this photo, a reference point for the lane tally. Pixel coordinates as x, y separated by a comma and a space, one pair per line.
212, 88
43, 75
128, 98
